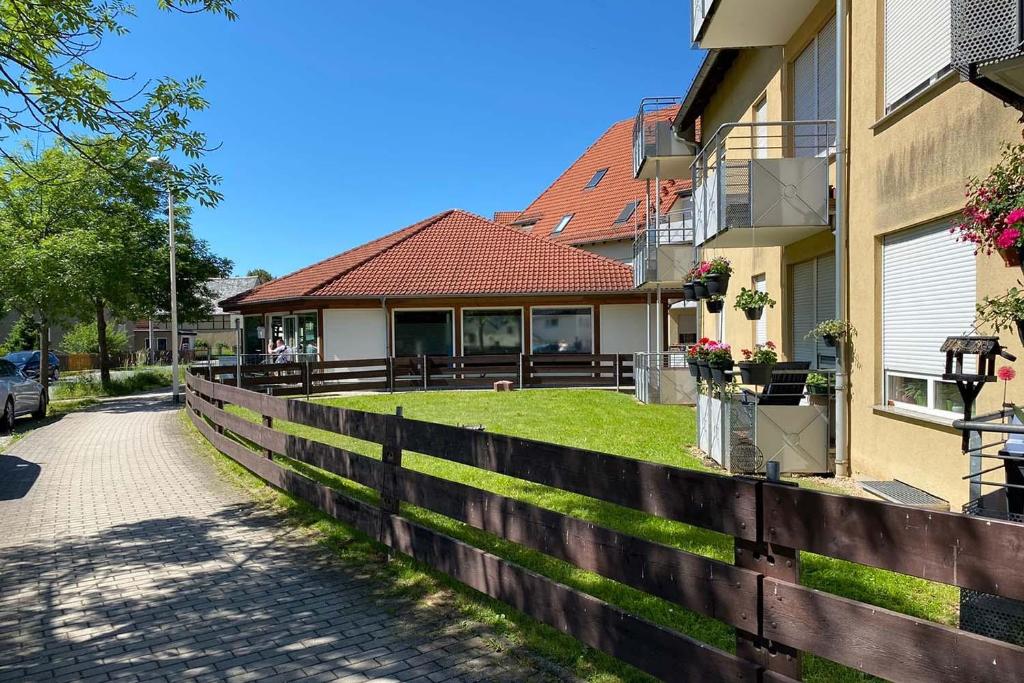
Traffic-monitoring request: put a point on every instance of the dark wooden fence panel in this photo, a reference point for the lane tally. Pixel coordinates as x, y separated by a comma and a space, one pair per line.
884, 643
770, 522
972, 552
706, 586
718, 502
659, 651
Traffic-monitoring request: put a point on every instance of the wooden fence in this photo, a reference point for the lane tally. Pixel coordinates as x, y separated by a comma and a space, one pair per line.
776, 619
429, 372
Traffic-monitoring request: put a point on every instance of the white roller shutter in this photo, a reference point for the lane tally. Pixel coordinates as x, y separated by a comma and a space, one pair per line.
917, 45
928, 294
814, 90
761, 326
825, 306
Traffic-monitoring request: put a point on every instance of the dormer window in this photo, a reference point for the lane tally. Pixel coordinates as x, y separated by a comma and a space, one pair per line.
562, 223
598, 175
627, 212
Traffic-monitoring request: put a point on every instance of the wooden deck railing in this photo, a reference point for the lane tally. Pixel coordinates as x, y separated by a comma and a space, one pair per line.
429, 372
776, 619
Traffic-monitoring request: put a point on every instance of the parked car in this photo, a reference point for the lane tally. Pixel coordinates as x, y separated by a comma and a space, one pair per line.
19, 395
28, 362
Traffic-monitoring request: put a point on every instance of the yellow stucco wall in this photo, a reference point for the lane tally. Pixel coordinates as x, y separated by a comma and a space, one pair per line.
905, 170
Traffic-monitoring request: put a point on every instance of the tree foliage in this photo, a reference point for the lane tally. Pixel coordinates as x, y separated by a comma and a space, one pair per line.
262, 275
50, 86
24, 336
84, 338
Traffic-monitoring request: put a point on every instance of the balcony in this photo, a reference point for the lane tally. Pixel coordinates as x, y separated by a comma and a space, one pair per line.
763, 185
988, 46
747, 23
658, 152
663, 253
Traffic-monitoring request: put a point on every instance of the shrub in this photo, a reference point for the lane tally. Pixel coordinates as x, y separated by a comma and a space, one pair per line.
83, 338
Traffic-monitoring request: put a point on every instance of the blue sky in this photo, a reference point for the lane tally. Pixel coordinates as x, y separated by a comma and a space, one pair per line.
341, 121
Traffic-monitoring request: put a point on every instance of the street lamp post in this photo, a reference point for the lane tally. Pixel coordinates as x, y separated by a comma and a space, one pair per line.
158, 162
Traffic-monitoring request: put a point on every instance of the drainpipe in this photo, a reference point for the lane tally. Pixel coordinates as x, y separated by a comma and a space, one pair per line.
387, 327
648, 316
657, 324
842, 402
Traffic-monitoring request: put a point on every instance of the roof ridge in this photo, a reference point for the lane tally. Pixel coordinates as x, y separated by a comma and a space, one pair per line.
419, 226
545, 240
570, 166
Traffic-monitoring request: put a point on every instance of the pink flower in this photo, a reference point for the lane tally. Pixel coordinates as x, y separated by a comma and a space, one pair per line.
1007, 238
1006, 373
1015, 216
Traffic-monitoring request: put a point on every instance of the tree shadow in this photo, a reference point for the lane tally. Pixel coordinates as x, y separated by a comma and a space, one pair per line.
228, 594
17, 477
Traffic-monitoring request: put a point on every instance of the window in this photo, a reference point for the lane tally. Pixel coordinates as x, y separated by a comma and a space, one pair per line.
760, 133
928, 294
917, 47
598, 175
562, 223
627, 212
492, 331
298, 331
562, 330
7, 369
419, 333
814, 92
813, 296
761, 326
161, 344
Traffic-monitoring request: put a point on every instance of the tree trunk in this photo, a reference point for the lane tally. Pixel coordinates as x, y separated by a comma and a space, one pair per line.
101, 338
44, 355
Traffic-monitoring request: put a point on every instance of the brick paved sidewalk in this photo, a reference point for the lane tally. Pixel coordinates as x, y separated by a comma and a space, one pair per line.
123, 556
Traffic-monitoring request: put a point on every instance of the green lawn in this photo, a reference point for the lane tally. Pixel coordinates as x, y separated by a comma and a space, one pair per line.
612, 423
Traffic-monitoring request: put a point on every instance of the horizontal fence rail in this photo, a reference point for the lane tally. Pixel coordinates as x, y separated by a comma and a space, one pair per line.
776, 619
428, 372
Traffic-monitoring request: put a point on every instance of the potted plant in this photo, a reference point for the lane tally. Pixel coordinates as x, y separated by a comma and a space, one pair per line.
832, 332
688, 293
993, 216
719, 357
757, 365
696, 276
1004, 312
715, 303
694, 357
752, 303
817, 388
716, 275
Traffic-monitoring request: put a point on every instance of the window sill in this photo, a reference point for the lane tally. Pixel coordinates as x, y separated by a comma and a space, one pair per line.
944, 82
916, 417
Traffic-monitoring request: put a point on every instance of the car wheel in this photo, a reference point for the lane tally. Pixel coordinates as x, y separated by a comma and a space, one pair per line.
40, 412
7, 419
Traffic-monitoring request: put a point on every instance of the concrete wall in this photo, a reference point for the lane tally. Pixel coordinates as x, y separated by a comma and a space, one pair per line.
622, 328
354, 333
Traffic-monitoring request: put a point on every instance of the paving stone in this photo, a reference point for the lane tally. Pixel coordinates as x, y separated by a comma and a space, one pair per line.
129, 558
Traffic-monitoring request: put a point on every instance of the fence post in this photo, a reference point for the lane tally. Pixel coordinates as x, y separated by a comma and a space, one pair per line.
238, 370
391, 457
773, 561
268, 422
307, 379
426, 372
618, 372
220, 404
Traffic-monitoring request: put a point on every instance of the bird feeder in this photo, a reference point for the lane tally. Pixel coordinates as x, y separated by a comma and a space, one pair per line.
969, 384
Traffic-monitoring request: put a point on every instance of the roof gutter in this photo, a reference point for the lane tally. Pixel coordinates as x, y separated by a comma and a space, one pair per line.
707, 79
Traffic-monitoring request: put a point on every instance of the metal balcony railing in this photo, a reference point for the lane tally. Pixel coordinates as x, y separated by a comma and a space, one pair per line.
661, 251
988, 46
654, 139
770, 179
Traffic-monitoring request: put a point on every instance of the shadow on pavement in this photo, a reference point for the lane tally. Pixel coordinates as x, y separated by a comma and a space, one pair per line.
16, 477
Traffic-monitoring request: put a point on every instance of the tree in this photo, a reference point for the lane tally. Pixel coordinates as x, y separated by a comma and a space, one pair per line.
84, 338
49, 86
262, 276
24, 336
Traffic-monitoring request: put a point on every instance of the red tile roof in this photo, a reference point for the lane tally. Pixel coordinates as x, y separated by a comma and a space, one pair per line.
454, 252
595, 210
505, 217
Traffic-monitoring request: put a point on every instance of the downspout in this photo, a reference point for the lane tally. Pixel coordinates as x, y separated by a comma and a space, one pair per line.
387, 327
842, 402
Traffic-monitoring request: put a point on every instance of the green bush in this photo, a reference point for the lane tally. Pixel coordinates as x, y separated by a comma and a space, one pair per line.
88, 384
83, 338
24, 336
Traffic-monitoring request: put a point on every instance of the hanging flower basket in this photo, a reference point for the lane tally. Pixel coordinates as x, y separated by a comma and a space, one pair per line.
756, 373
715, 304
832, 332
699, 290
830, 340
688, 293
752, 303
754, 313
694, 368
720, 370
1020, 330
1011, 256
993, 215
717, 284
704, 370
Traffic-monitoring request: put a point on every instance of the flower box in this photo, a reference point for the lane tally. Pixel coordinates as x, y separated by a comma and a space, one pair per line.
756, 373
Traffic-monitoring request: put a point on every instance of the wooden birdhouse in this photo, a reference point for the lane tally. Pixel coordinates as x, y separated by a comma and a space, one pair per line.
969, 384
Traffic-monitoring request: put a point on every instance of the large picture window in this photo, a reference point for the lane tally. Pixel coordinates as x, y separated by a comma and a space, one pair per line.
492, 331
424, 333
562, 330
928, 294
